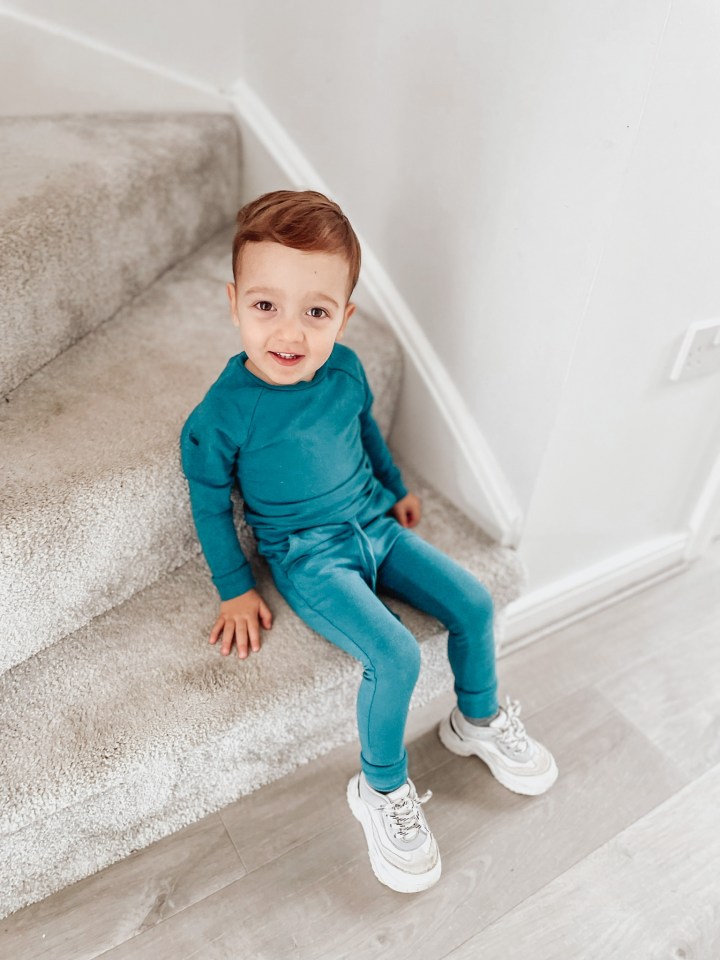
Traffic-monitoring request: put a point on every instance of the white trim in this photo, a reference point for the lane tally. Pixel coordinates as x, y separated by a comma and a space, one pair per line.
470, 440
281, 147
704, 524
492, 502
105, 48
585, 592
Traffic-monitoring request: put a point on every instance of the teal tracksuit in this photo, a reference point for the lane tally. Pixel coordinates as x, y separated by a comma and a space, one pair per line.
317, 482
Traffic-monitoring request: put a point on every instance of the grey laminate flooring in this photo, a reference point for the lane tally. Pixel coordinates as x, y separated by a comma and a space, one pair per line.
620, 859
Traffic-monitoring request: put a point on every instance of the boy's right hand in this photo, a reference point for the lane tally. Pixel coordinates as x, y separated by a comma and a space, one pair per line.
241, 617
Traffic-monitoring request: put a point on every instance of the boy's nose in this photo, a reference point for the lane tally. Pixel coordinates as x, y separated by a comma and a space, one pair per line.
290, 329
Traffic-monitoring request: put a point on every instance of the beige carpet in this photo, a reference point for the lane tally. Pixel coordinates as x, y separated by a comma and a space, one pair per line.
93, 503
93, 208
119, 723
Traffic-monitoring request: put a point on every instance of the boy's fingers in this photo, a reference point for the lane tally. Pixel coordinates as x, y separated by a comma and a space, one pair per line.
241, 639
215, 632
227, 637
254, 636
266, 616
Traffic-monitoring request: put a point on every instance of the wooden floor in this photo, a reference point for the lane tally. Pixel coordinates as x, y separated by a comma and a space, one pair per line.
620, 860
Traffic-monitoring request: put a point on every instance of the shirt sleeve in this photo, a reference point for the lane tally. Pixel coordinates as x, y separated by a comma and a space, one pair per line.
383, 465
208, 459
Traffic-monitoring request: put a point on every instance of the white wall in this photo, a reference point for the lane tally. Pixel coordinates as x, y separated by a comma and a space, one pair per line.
626, 437
537, 180
42, 72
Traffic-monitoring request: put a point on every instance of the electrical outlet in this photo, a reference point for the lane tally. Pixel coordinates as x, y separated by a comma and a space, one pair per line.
699, 352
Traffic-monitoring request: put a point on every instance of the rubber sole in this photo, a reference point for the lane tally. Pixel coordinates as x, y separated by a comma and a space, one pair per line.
386, 873
531, 787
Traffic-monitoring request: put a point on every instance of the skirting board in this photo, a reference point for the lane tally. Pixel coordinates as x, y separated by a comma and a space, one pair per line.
585, 592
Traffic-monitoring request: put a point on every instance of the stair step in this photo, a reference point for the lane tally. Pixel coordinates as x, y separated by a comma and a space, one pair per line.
135, 726
93, 208
93, 502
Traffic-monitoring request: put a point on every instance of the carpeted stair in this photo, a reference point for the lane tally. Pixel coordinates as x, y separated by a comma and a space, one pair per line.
119, 723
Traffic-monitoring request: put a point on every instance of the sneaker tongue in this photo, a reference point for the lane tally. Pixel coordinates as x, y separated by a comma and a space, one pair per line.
499, 720
402, 791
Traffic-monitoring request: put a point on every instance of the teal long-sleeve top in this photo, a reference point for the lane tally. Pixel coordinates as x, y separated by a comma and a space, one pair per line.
302, 454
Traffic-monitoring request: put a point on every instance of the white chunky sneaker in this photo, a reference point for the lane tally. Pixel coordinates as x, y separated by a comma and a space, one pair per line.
519, 763
403, 852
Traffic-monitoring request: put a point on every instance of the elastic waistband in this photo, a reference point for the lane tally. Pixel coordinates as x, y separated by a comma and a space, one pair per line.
310, 537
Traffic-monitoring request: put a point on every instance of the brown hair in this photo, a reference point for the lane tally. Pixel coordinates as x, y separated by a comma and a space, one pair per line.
303, 219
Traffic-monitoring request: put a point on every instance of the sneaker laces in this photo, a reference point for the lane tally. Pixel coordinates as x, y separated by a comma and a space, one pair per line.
513, 733
406, 814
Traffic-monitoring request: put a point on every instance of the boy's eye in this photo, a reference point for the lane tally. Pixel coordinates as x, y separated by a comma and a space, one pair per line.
317, 313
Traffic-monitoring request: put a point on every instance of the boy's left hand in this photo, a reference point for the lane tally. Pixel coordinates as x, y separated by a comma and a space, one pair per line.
407, 511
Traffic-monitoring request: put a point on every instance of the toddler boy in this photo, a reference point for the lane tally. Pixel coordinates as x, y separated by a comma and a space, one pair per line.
290, 418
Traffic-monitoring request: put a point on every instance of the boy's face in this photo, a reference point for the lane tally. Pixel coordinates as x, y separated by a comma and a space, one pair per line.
289, 301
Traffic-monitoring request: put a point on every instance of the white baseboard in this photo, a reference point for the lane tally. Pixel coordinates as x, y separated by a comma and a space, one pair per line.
705, 518
553, 607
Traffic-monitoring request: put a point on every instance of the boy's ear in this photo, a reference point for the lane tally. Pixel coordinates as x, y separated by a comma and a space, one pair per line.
231, 298
349, 311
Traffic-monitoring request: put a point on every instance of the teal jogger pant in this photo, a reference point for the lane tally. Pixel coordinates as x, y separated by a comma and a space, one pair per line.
330, 574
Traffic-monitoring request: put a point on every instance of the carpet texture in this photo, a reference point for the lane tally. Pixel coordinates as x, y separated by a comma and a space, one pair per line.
94, 505
135, 726
92, 209
119, 723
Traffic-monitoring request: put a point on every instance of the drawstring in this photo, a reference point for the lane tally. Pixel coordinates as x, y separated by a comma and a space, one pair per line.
369, 556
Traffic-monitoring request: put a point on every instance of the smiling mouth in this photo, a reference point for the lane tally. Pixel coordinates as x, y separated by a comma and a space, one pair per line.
286, 359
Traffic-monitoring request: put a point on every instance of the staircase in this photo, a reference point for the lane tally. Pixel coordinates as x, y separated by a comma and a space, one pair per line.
119, 723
